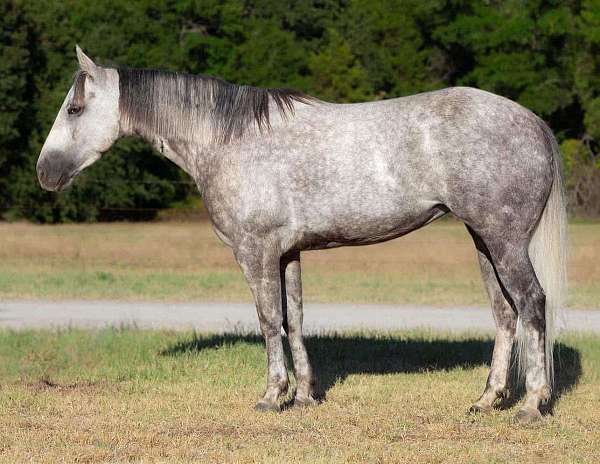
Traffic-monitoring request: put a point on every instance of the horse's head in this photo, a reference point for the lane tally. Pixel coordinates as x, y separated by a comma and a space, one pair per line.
86, 126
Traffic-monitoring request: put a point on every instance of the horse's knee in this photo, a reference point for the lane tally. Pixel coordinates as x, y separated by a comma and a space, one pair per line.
271, 328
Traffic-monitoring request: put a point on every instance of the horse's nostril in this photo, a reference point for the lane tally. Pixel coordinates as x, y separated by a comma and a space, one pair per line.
42, 171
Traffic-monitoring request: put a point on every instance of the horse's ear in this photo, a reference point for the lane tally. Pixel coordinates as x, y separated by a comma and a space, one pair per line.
85, 62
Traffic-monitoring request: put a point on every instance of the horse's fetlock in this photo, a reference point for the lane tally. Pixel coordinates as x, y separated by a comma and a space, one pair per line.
281, 382
283, 386
305, 382
503, 393
545, 394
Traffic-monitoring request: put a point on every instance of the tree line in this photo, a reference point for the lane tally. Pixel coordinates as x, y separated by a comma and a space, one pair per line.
544, 54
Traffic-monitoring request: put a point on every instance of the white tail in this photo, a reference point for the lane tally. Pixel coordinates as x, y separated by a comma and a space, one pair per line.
548, 254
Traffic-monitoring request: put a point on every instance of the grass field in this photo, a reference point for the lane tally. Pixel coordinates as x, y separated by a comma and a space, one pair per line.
185, 261
139, 396
125, 395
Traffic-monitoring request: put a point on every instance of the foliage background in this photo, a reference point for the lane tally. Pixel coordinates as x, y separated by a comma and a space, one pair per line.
544, 54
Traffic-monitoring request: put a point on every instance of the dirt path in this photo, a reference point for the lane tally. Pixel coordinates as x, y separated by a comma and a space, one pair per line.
222, 317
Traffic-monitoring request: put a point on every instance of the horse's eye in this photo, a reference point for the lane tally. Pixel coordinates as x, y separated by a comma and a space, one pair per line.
74, 109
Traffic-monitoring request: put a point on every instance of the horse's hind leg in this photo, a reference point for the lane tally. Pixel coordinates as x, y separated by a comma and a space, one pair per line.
506, 322
261, 266
514, 269
292, 304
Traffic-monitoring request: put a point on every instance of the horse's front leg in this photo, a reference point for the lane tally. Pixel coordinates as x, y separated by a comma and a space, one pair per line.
260, 264
291, 280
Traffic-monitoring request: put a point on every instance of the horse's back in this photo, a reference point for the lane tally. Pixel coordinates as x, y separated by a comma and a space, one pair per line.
435, 144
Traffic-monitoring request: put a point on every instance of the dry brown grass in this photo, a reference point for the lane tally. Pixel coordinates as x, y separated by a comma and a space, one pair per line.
142, 396
182, 261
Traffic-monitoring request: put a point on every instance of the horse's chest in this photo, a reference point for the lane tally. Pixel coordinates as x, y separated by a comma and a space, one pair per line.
223, 236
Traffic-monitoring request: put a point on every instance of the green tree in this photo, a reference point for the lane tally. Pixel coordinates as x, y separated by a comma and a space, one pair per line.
393, 45
336, 73
16, 94
544, 54
516, 49
130, 175
587, 66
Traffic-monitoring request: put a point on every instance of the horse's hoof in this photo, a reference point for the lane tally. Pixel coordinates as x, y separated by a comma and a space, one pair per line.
479, 409
305, 402
527, 416
265, 406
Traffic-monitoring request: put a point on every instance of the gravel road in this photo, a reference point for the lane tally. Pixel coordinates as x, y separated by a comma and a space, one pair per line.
223, 317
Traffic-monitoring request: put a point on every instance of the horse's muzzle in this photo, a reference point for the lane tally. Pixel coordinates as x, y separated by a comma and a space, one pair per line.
54, 171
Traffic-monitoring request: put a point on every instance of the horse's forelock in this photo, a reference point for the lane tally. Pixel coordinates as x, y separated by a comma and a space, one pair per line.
79, 89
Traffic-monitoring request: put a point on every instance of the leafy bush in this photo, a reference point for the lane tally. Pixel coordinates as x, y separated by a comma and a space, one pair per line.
582, 171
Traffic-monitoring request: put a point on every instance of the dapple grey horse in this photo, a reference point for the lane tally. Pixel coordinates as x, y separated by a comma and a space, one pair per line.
281, 172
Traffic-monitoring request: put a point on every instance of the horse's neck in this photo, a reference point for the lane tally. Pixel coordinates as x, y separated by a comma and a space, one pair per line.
180, 153
183, 153
193, 148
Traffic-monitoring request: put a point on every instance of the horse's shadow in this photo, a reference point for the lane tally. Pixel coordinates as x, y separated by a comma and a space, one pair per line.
335, 357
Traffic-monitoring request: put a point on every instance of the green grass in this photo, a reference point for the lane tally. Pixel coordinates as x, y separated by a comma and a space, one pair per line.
185, 261
121, 284
231, 286
124, 395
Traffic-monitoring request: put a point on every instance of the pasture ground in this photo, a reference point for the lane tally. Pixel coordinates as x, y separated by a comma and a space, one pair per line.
125, 395
185, 261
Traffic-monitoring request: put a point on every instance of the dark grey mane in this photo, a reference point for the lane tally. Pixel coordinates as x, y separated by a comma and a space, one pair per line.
178, 105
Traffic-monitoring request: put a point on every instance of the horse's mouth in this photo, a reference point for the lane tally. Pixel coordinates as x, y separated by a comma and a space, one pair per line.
56, 171
63, 182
